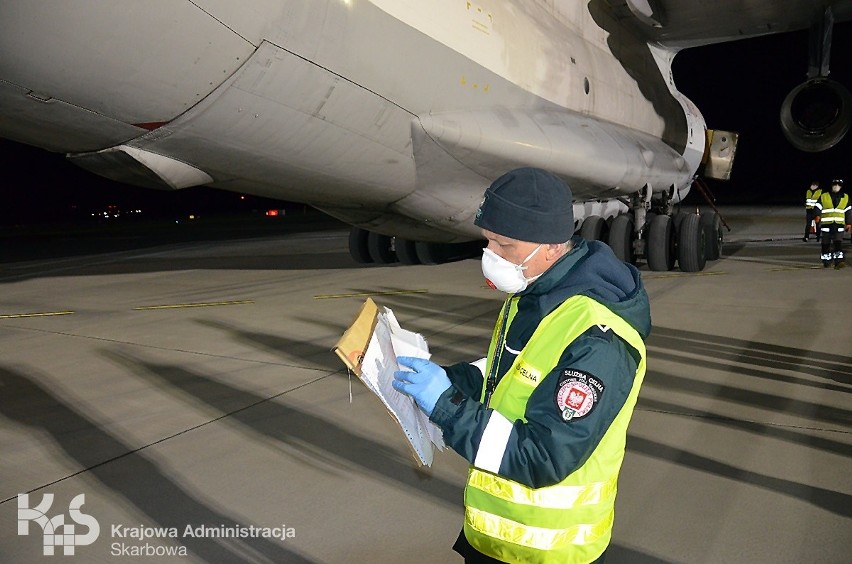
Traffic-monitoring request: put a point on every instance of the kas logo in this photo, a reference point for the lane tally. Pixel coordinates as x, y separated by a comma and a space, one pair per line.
56, 531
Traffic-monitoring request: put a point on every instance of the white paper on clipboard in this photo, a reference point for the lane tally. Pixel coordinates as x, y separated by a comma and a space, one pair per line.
375, 367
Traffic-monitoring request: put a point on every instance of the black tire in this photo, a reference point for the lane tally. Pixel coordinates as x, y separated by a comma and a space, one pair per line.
594, 228
468, 250
661, 252
406, 251
431, 253
379, 247
621, 236
678, 220
713, 235
691, 251
358, 246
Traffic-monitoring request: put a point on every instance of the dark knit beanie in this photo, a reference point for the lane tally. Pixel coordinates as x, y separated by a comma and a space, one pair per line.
528, 204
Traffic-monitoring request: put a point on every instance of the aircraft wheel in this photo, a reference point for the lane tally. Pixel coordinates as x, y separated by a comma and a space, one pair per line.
691, 253
379, 247
594, 228
358, 245
430, 253
406, 251
661, 253
649, 217
678, 220
621, 235
713, 235
440, 253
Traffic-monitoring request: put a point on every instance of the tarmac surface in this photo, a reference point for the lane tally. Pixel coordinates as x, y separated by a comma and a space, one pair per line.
189, 388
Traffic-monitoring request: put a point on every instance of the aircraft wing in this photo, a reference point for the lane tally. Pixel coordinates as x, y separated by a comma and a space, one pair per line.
690, 23
395, 115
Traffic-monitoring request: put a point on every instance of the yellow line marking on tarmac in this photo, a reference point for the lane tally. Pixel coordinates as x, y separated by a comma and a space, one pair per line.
683, 275
42, 314
801, 267
201, 304
367, 294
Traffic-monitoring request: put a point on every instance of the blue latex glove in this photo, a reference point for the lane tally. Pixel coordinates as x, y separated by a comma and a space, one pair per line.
425, 384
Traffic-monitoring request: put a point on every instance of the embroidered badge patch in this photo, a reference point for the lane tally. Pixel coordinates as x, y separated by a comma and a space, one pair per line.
577, 394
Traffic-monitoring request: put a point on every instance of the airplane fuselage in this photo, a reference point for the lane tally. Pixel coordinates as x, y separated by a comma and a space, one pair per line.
392, 115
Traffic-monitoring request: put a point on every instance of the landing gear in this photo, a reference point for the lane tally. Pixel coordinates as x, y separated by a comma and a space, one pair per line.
711, 223
358, 246
661, 251
621, 237
440, 253
406, 251
380, 248
689, 239
691, 244
430, 253
367, 247
652, 230
594, 228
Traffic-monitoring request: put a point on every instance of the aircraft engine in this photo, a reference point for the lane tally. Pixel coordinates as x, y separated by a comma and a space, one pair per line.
816, 114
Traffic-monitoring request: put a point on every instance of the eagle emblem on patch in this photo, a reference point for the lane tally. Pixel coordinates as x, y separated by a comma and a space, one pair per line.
577, 394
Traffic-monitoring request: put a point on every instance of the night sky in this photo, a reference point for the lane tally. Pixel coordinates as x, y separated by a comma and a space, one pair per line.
738, 86
40, 187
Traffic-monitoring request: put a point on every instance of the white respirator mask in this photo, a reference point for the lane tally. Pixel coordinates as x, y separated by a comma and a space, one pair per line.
504, 275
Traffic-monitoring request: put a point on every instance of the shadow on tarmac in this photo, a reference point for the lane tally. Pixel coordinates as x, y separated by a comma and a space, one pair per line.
750, 360
330, 443
475, 313
128, 473
291, 425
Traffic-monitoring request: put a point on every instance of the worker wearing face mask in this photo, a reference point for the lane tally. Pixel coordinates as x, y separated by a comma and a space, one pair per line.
834, 216
544, 423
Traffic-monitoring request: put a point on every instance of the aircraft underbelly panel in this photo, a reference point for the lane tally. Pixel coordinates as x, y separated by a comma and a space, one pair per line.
290, 129
597, 158
135, 62
392, 114
56, 125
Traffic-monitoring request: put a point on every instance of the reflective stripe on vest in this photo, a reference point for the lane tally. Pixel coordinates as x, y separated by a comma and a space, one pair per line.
537, 538
811, 198
551, 496
831, 214
569, 522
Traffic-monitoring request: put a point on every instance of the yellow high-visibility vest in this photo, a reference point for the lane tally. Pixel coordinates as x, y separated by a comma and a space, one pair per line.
831, 214
569, 522
811, 198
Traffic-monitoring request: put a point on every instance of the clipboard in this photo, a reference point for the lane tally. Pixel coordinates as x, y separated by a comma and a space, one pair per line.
375, 337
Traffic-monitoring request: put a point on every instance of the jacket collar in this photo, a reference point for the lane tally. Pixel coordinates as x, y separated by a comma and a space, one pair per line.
551, 277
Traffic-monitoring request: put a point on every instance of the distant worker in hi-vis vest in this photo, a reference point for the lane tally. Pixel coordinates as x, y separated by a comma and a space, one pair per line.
811, 196
543, 418
834, 217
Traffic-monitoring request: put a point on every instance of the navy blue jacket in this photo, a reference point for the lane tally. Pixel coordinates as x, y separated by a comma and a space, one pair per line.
546, 449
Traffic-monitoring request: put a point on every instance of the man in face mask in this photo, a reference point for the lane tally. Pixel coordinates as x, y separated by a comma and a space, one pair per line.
543, 420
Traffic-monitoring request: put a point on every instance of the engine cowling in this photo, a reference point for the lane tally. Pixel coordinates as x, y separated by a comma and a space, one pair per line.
816, 114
